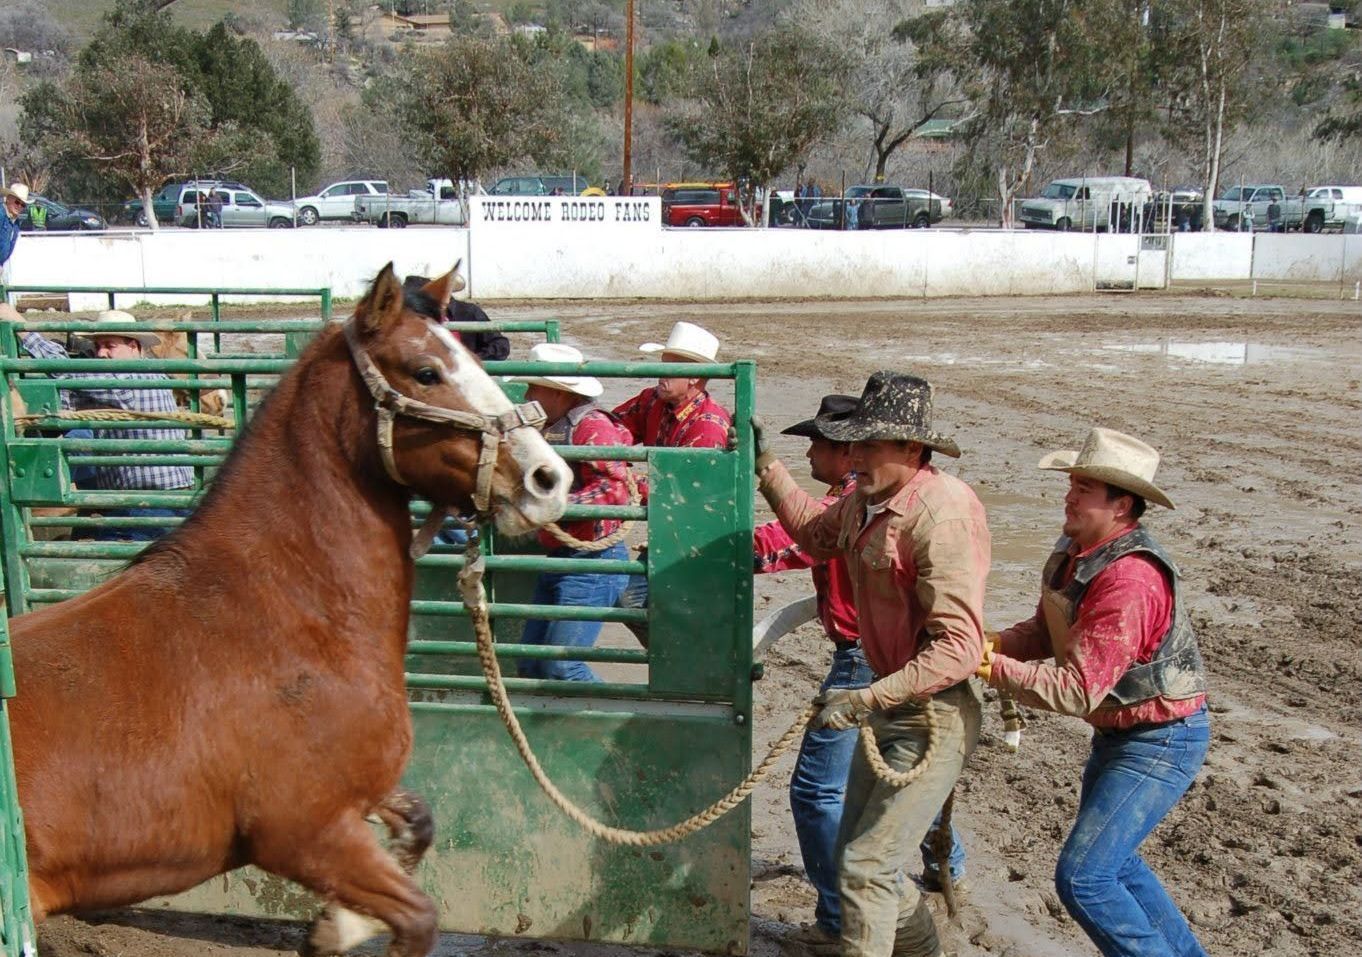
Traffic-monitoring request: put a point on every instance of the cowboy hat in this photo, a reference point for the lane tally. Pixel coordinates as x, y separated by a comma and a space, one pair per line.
588, 387
1115, 458
18, 190
833, 406
893, 407
687, 341
119, 317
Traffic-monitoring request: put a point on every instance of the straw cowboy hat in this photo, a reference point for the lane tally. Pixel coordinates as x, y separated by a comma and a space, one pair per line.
588, 387
118, 317
833, 406
18, 190
688, 342
893, 407
1115, 458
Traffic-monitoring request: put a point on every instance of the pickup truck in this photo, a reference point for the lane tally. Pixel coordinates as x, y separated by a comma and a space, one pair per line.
418, 206
877, 207
1311, 213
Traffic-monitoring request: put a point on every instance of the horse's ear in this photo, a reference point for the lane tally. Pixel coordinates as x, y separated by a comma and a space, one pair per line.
444, 287
382, 303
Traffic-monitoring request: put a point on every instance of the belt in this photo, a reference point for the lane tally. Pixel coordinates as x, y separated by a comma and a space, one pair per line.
841, 644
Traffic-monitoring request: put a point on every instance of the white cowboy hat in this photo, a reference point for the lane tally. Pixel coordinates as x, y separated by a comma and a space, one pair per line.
118, 317
1115, 458
688, 341
584, 385
18, 190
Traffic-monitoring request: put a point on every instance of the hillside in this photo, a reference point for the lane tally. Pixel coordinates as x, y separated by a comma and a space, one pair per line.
82, 17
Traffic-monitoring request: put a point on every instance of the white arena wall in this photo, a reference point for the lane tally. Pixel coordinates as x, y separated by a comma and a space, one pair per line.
615, 248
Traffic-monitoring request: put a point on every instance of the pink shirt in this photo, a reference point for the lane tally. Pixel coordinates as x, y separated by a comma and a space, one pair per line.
917, 570
1120, 621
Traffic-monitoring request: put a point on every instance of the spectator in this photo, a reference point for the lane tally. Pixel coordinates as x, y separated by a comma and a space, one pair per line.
16, 201
489, 346
1275, 223
122, 345
575, 419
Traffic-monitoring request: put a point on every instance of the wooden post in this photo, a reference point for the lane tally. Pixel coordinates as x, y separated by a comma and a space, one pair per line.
627, 175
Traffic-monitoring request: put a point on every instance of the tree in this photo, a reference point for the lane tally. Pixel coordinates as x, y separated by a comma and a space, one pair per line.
136, 123
759, 108
306, 15
1211, 43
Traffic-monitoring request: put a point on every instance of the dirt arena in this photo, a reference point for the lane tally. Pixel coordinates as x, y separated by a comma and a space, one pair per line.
1257, 409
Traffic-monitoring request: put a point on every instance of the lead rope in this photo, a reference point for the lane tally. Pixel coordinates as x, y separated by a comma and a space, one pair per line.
475, 602
600, 544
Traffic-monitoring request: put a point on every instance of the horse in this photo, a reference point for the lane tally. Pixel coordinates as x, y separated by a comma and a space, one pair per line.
235, 695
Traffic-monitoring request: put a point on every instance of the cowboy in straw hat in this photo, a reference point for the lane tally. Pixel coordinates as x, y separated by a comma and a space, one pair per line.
818, 784
119, 342
16, 201
917, 544
1111, 615
678, 412
575, 419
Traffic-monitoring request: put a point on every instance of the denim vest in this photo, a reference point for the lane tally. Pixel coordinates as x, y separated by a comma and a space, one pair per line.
1176, 671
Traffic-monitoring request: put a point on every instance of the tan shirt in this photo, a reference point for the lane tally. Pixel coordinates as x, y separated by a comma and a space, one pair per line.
917, 570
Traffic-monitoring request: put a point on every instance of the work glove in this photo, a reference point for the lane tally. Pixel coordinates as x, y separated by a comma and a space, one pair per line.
842, 709
990, 649
763, 445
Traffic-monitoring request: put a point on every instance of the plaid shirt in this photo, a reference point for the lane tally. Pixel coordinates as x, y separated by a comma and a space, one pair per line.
699, 424
596, 482
120, 477
775, 551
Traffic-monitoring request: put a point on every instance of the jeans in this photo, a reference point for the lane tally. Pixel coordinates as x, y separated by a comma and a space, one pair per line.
634, 594
882, 914
590, 589
82, 476
108, 534
1132, 779
818, 787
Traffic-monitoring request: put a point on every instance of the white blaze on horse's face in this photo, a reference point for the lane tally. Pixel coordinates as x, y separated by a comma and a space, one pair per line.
542, 495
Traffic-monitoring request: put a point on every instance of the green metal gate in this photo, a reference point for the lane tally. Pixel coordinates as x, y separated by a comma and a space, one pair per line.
665, 737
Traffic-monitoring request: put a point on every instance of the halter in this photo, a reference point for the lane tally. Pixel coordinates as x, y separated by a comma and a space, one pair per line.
389, 404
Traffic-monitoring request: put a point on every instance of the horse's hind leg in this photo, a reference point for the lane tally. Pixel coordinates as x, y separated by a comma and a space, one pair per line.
346, 866
411, 829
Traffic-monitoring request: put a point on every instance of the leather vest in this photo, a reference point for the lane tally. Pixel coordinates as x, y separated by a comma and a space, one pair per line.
560, 432
1176, 671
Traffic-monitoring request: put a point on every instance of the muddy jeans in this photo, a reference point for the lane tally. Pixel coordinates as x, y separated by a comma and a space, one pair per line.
882, 912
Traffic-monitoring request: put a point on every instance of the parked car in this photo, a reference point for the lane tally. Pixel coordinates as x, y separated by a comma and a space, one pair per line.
61, 217
418, 206
701, 204
337, 201
1242, 206
538, 185
240, 207
165, 200
1087, 202
1331, 206
877, 206
947, 207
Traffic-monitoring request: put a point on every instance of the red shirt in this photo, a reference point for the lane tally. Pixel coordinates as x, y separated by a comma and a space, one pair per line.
699, 424
776, 551
595, 483
1120, 621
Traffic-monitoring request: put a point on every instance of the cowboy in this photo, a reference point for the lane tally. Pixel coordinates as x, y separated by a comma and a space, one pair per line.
917, 546
1111, 615
678, 412
818, 784
121, 344
575, 419
16, 201
489, 346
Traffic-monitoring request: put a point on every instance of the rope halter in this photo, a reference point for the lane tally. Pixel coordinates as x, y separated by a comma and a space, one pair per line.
389, 404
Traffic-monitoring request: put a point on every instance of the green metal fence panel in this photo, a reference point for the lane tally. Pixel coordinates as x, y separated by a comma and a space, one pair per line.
506, 861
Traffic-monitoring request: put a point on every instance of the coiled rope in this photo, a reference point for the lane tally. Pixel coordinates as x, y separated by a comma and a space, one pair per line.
600, 544
201, 419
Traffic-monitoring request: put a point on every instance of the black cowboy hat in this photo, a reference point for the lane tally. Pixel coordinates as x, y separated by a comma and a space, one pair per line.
893, 407
834, 406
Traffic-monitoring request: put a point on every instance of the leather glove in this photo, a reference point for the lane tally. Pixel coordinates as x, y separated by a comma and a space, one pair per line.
990, 649
842, 709
763, 445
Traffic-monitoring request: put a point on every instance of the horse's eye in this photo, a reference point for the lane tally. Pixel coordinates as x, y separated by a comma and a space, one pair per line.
428, 376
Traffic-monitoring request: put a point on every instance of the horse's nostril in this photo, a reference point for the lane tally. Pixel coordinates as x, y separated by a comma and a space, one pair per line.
544, 480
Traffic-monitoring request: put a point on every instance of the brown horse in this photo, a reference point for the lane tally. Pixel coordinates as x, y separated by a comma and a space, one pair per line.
235, 696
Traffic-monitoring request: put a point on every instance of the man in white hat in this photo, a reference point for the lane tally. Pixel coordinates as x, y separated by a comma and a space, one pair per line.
678, 412
1125, 659
120, 341
16, 201
575, 419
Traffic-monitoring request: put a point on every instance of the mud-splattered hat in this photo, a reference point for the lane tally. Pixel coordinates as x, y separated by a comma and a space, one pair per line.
893, 407
834, 406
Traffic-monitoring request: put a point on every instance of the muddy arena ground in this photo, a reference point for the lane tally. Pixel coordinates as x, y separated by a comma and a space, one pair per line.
1255, 404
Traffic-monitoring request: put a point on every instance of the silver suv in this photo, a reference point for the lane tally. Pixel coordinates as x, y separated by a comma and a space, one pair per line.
239, 207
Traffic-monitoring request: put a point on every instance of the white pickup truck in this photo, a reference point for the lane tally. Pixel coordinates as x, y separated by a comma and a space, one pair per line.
1314, 211
418, 206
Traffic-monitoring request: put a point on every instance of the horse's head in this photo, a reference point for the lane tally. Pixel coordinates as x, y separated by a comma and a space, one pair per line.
447, 417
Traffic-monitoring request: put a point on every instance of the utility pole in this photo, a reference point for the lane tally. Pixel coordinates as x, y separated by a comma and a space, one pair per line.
627, 177
331, 31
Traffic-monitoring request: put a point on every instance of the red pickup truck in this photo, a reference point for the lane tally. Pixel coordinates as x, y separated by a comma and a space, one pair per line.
701, 204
